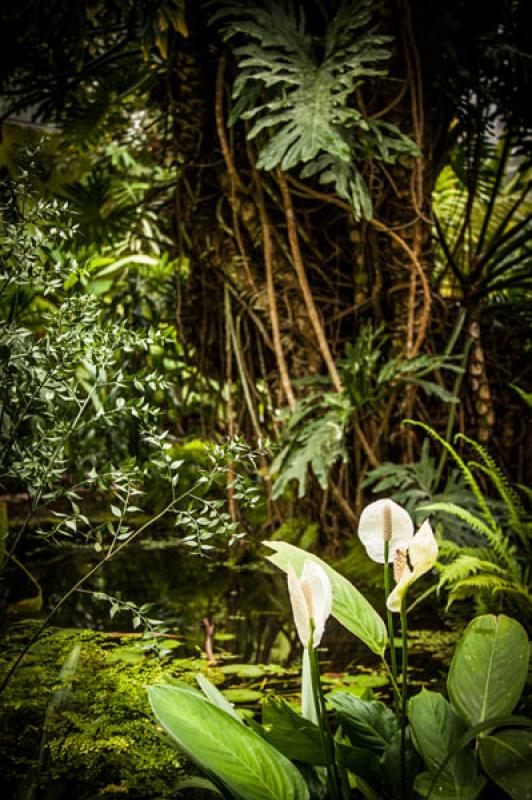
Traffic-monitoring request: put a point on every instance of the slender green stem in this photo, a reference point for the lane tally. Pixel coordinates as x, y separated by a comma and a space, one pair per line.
327, 739
389, 618
323, 735
393, 681
404, 699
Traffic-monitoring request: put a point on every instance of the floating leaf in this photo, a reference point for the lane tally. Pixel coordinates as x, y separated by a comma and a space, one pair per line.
242, 695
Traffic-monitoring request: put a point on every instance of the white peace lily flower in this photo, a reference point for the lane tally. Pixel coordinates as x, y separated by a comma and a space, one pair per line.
385, 520
422, 553
311, 598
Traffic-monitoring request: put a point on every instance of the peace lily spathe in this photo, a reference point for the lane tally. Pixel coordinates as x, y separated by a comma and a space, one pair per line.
311, 598
384, 521
422, 554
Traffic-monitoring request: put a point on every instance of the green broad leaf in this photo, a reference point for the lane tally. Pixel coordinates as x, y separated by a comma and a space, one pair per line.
391, 766
436, 730
215, 696
367, 723
244, 670
489, 668
427, 788
296, 737
361, 762
431, 388
507, 758
350, 607
204, 784
305, 115
243, 695
249, 767
315, 443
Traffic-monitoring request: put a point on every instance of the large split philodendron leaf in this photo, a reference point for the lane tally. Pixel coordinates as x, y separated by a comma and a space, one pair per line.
436, 730
507, 758
489, 668
249, 767
350, 607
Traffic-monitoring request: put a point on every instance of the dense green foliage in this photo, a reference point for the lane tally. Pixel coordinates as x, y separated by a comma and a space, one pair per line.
258, 262
429, 748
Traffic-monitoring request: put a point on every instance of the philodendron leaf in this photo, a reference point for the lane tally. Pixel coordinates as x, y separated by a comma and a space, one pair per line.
367, 723
489, 668
507, 758
436, 730
249, 767
350, 607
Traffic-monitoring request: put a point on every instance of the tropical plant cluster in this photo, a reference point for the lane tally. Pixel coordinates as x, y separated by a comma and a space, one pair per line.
265, 277
430, 746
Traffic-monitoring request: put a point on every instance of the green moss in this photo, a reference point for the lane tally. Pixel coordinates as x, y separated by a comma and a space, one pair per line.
100, 738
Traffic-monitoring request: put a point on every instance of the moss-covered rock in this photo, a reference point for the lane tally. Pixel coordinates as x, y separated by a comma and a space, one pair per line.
85, 730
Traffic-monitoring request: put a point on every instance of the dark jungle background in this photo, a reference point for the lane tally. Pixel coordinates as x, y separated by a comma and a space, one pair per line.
260, 264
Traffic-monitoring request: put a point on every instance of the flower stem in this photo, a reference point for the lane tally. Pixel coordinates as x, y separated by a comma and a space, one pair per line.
389, 618
327, 739
404, 698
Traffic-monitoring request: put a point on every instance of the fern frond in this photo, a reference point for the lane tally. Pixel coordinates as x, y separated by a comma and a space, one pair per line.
491, 584
494, 536
466, 472
461, 513
465, 566
449, 549
498, 479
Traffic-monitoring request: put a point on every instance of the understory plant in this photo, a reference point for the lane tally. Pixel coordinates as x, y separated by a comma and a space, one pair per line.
339, 746
316, 432
493, 568
78, 397
297, 90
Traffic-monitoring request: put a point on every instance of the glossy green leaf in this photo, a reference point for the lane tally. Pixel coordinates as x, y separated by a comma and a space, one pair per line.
361, 762
437, 730
248, 766
390, 766
489, 668
195, 782
215, 696
507, 758
367, 723
296, 737
444, 790
350, 607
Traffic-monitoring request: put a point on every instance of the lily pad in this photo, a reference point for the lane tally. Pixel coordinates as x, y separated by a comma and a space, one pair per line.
358, 684
242, 695
243, 670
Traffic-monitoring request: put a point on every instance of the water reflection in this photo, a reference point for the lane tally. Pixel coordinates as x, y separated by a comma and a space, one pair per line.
247, 603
